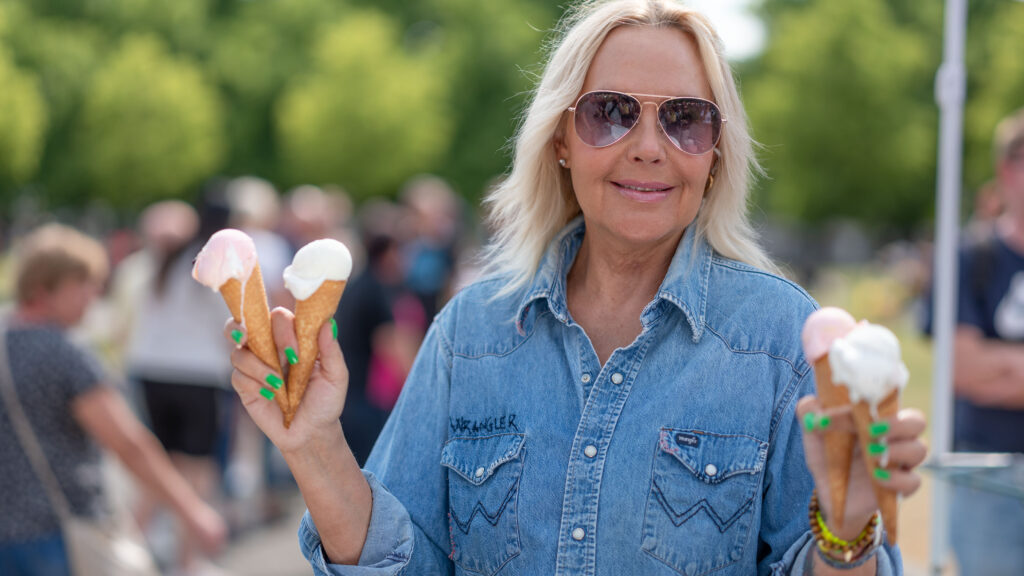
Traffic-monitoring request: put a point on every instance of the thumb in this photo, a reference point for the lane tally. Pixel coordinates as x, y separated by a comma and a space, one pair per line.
332, 363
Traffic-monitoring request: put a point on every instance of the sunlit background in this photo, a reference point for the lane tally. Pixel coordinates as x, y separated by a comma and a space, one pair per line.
109, 105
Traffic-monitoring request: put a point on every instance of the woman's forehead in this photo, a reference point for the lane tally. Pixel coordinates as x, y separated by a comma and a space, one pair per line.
649, 60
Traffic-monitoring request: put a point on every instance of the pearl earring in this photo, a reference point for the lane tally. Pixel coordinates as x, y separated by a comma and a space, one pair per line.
561, 162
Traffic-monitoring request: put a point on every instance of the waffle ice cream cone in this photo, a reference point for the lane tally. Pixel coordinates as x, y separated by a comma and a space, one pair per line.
839, 444
316, 278
867, 361
248, 306
229, 265
864, 414
310, 316
821, 329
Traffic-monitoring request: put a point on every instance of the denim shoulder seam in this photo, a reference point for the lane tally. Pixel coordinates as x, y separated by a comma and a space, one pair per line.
748, 269
497, 354
792, 364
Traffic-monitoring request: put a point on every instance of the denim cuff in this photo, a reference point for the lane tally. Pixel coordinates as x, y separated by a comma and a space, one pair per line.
795, 559
389, 539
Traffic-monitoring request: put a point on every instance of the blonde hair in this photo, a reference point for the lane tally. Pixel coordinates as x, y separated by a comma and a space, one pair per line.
536, 199
1009, 136
54, 253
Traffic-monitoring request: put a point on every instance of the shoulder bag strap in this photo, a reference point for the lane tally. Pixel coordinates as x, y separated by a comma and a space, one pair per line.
26, 437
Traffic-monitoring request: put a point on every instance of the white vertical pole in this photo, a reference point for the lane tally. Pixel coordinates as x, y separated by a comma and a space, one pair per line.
950, 89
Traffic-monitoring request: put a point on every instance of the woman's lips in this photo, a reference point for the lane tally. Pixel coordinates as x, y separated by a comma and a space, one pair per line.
643, 191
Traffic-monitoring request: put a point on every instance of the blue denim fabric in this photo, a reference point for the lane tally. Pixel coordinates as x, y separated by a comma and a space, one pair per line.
513, 451
43, 556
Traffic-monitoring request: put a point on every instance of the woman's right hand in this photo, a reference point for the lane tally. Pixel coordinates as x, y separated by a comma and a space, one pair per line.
319, 412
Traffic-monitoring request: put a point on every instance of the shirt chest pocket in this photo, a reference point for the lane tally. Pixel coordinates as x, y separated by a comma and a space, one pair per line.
483, 494
700, 508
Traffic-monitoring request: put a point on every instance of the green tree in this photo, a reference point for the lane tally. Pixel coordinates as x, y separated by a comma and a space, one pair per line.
149, 127
369, 115
995, 85
260, 47
842, 102
23, 122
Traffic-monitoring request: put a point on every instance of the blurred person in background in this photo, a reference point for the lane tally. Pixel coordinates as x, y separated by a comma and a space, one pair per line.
626, 391
312, 213
988, 367
74, 411
380, 326
434, 213
170, 356
256, 210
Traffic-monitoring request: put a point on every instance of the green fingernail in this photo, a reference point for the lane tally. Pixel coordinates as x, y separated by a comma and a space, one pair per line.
236, 335
876, 449
878, 428
809, 422
274, 381
293, 358
334, 328
882, 474
266, 394
824, 421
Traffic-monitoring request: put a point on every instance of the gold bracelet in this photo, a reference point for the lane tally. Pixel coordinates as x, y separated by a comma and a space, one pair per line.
836, 549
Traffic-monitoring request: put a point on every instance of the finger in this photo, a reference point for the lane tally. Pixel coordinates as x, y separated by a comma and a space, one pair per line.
908, 425
235, 332
902, 482
814, 418
256, 396
248, 364
907, 455
331, 361
282, 322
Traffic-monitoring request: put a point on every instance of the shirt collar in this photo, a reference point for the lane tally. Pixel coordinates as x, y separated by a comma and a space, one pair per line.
685, 285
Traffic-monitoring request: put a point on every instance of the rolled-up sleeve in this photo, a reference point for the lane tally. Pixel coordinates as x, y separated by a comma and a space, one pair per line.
794, 561
408, 532
389, 540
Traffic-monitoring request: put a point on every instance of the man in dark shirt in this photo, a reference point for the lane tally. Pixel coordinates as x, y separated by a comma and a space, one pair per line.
988, 529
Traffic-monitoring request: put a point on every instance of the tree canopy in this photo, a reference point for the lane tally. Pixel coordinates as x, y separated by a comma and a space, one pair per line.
123, 102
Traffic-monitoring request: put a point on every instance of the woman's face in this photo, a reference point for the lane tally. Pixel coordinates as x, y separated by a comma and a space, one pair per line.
613, 185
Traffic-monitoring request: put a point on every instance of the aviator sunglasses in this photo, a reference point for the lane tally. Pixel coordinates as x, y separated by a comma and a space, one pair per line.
604, 117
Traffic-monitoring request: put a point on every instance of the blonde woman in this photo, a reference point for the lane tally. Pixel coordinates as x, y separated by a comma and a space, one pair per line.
618, 395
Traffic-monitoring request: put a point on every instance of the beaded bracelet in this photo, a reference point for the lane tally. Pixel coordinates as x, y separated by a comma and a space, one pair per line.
839, 553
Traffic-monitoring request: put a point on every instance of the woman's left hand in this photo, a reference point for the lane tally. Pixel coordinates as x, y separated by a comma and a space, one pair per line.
904, 448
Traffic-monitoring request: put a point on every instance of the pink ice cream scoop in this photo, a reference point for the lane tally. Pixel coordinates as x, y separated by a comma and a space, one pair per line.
228, 254
822, 328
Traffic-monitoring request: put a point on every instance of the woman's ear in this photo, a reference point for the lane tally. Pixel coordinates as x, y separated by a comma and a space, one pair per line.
558, 141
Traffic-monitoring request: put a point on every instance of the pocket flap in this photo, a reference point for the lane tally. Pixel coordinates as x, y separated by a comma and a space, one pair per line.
476, 459
714, 457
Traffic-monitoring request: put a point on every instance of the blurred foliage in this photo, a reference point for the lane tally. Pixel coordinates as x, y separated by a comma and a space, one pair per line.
149, 125
843, 101
368, 115
23, 124
125, 101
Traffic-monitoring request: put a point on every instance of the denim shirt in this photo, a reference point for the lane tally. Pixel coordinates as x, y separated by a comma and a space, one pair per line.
512, 451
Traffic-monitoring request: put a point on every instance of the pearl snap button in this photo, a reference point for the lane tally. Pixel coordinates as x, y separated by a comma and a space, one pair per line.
480, 472
590, 451
710, 470
585, 378
578, 534
617, 378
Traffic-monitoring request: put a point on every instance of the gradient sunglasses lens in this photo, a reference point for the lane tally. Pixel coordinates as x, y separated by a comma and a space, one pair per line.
603, 118
692, 124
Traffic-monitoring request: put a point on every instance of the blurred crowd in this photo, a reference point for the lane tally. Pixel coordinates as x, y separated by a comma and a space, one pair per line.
160, 333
